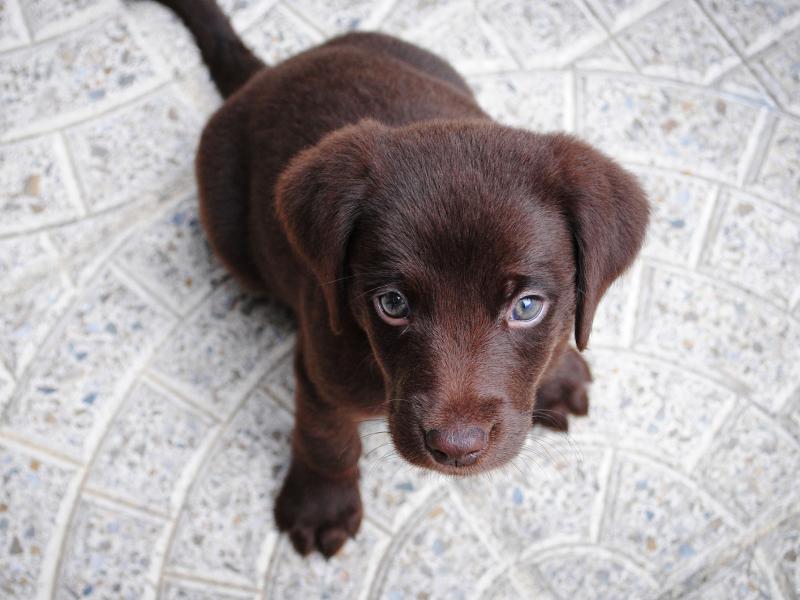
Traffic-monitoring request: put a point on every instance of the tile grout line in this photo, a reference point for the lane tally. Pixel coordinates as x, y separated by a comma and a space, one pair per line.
203, 461
632, 301
722, 383
180, 575
74, 187
772, 573
753, 193
754, 152
25, 24
717, 282
611, 32
113, 412
706, 232
742, 57
48, 455
725, 417
605, 496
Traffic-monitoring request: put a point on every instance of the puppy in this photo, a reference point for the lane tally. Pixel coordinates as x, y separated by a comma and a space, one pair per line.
437, 262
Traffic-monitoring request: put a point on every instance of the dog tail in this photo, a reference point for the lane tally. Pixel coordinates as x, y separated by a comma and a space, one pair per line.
231, 62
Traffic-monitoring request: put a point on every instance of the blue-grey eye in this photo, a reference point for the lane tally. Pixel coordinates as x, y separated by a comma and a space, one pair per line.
394, 305
527, 308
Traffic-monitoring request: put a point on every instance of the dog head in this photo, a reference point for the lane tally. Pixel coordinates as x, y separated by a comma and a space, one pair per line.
467, 252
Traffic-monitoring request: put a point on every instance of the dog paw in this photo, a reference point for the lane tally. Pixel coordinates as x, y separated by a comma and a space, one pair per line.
318, 513
564, 391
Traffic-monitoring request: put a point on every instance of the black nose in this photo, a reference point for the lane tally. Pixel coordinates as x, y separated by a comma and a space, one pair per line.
456, 446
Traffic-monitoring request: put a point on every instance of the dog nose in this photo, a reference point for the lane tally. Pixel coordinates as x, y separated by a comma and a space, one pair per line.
456, 446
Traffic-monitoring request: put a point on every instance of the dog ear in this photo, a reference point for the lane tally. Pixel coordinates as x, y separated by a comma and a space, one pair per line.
608, 214
318, 199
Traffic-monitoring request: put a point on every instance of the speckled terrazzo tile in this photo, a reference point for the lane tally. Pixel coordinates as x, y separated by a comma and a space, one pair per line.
87, 70
586, 572
25, 259
782, 547
647, 405
143, 148
742, 580
741, 82
610, 326
110, 553
660, 517
86, 244
48, 17
175, 589
338, 16
166, 36
73, 381
503, 587
243, 13
778, 68
225, 347
36, 185
544, 34
279, 35
664, 125
720, 329
147, 448
547, 498
755, 245
12, 27
752, 464
677, 41
280, 382
6, 387
531, 100
346, 576
438, 556
606, 56
30, 499
226, 529
196, 87
752, 24
621, 13
172, 257
391, 489
779, 176
27, 314
678, 205
453, 31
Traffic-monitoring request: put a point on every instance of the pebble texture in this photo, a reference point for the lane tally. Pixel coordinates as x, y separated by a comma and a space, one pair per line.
146, 401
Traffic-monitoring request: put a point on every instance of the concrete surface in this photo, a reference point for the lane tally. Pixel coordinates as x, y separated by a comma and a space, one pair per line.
145, 400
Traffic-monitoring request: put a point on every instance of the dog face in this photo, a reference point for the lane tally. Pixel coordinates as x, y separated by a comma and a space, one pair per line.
465, 252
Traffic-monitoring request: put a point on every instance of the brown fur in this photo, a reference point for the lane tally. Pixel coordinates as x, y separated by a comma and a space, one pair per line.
366, 164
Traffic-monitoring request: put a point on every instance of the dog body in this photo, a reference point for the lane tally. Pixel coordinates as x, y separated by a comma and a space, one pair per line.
436, 261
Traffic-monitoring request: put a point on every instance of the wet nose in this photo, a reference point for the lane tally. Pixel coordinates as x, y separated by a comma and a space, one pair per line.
457, 446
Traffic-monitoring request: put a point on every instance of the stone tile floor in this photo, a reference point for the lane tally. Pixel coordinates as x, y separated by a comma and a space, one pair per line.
145, 401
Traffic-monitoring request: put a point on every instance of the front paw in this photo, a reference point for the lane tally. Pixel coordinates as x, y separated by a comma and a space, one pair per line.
318, 513
564, 391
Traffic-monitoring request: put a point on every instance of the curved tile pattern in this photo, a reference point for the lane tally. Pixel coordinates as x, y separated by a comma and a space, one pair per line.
146, 400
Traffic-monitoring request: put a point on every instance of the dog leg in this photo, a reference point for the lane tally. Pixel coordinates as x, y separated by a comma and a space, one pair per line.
319, 505
563, 391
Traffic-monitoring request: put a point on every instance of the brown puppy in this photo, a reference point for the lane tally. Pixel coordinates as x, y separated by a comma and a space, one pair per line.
437, 262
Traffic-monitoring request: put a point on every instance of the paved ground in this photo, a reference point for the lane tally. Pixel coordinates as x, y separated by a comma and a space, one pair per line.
145, 401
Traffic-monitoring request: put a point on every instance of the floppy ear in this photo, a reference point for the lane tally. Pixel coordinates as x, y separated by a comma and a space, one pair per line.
318, 198
608, 213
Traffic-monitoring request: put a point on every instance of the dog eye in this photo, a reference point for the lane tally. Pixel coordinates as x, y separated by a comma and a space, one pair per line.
392, 307
528, 309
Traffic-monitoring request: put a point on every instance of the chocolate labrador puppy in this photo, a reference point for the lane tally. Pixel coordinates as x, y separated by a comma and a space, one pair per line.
437, 262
